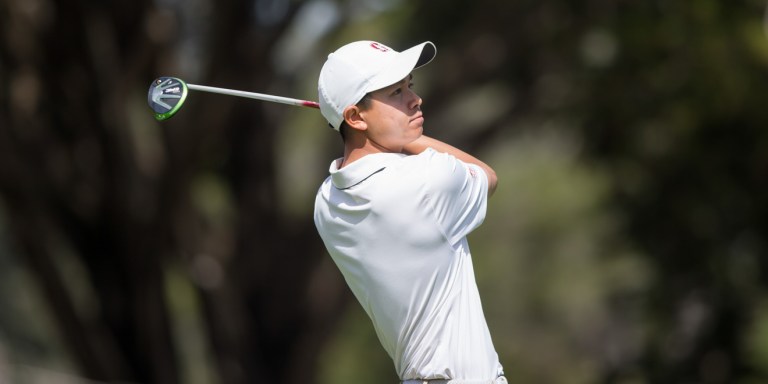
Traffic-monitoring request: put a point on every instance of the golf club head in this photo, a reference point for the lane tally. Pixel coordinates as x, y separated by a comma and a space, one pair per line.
166, 96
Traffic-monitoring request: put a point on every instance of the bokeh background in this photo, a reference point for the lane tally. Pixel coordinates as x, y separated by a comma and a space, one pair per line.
626, 243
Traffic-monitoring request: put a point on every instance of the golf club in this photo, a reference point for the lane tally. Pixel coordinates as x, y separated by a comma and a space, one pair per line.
167, 95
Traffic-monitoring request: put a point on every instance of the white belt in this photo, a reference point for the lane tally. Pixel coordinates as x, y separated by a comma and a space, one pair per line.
498, 380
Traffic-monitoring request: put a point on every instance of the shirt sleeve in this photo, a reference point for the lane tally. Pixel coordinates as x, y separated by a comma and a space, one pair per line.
457, 192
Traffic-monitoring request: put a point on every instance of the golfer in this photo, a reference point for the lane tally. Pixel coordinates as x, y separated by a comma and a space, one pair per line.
394, 215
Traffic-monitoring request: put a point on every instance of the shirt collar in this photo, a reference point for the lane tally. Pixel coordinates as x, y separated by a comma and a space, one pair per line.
360, 169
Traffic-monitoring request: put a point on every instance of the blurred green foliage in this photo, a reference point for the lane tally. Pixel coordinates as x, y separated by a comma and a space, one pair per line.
626, 242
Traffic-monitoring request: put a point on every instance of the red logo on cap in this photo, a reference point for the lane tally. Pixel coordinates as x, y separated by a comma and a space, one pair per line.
380, 47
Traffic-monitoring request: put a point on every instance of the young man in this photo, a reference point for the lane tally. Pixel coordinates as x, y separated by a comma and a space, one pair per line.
394, 215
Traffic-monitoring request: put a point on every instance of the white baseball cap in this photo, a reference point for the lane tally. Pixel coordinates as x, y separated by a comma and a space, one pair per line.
361, 67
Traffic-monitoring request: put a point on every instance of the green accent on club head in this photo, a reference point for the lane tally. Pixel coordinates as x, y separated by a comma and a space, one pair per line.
169, 114
166, 96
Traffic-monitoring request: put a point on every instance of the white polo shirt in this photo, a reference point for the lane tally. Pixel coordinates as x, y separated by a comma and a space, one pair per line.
396, 227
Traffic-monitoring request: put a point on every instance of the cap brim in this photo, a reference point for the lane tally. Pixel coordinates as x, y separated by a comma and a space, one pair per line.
408, 60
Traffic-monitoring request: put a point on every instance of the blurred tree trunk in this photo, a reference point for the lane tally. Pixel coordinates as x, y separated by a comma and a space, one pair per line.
642, 83
73, 185
269, 291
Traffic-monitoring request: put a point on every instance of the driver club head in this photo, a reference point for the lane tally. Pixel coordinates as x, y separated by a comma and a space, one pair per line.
166, 96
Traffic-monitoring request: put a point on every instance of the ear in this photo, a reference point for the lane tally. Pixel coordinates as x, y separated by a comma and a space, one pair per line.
354, 119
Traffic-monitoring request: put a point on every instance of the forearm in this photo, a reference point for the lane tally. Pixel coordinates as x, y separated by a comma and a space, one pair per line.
424, 142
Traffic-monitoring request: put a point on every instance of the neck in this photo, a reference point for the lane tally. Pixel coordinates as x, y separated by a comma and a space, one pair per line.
358, 145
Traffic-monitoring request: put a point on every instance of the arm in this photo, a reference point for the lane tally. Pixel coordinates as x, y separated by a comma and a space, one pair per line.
424, 142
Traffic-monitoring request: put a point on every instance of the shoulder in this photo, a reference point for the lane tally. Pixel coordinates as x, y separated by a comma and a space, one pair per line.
440, 171
443, 169
432, 159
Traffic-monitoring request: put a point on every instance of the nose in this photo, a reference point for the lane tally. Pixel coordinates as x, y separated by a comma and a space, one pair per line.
416, 101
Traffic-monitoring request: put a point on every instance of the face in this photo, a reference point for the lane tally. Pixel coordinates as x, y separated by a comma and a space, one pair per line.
394, 116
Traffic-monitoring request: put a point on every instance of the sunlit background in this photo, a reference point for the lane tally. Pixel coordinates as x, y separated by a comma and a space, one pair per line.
626, 243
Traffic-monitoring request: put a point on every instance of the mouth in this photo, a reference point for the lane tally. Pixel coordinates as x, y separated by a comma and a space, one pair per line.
418, 118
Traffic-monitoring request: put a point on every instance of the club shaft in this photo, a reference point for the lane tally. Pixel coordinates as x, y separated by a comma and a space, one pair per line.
254, 95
